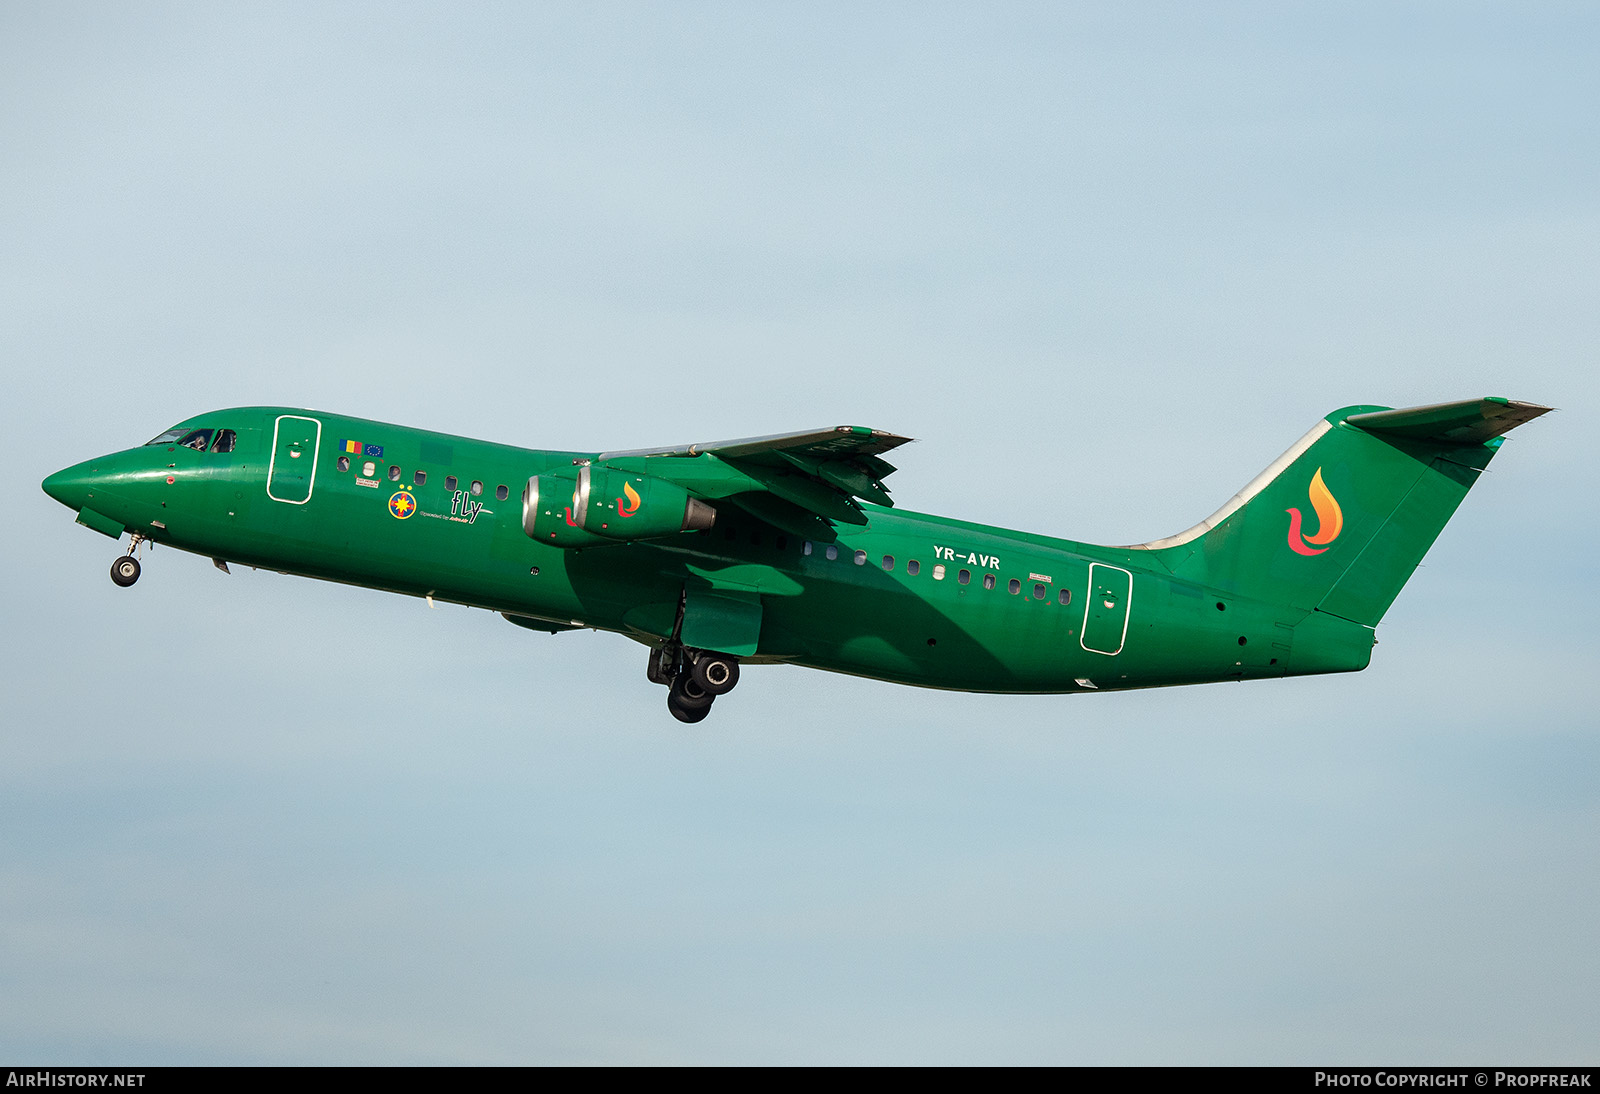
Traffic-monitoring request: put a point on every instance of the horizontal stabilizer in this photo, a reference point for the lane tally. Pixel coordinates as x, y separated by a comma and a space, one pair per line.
1473, 421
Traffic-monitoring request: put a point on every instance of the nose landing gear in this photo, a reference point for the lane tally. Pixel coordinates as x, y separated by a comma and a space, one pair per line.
694, 678
125, 571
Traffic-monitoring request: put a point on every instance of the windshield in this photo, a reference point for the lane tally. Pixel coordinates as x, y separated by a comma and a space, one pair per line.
198, 439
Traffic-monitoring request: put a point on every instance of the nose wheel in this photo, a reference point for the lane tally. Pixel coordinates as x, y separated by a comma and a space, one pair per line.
125, 571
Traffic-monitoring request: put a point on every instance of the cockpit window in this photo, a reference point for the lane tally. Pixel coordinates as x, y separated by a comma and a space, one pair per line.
198, 439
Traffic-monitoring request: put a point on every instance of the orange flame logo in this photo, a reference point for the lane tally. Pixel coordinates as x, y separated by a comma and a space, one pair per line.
1330, 520
631, 505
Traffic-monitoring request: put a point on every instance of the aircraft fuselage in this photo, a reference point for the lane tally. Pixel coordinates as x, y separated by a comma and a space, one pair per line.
907, 597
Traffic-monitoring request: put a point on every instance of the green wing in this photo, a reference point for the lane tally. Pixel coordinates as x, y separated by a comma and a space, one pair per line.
801, 482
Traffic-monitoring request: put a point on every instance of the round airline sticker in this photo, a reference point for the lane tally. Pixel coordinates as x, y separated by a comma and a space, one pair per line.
402, 505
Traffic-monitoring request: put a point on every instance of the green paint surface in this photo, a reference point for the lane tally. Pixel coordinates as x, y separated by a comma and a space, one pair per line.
1292, 581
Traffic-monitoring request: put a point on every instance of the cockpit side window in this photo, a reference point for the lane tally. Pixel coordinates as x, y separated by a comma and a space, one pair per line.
225, 442
197, 439
169, 437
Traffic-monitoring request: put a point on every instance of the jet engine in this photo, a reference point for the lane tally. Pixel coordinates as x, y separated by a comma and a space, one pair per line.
600, 505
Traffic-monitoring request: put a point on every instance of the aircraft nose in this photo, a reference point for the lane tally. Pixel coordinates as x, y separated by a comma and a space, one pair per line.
71, 485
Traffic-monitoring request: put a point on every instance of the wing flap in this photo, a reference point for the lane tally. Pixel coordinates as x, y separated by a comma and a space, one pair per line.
785, 515
821, 498
852, 439
806, 479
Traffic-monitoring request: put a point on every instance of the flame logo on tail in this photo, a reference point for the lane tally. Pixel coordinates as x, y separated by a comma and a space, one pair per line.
1330, 520
631, 505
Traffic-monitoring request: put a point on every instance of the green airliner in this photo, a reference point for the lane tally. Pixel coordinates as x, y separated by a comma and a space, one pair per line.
788, 548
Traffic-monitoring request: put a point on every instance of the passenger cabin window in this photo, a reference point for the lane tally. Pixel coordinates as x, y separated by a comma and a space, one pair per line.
449, 482
938, 572
369, 469
861, 558
806, 550
226, 441
197, 439
344, 463
502, 492
888, 562
1015, 586
1064, 596
394, 473
964, 576
988, 581
1038, 591
477, 488
420, 477
833, 552
913, 567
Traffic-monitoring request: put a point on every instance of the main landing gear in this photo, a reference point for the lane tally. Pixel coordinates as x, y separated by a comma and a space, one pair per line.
694, 678
125, 571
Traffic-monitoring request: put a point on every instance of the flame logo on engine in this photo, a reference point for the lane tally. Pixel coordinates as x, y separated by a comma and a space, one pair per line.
629, 506
1330, 520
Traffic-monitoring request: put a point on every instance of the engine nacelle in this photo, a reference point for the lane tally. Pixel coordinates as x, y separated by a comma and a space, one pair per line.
600, 505
548, 502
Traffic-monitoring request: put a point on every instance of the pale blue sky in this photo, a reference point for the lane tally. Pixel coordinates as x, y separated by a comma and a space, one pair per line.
1105, 263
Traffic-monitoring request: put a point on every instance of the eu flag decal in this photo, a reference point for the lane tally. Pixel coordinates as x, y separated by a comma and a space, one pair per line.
356, 448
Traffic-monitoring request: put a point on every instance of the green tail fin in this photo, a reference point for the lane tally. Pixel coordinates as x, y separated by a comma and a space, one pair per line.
1340, 521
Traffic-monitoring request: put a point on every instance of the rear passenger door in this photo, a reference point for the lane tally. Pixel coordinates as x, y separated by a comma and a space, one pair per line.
1105, 612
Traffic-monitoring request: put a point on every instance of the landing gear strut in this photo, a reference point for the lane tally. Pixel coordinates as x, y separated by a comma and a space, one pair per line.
694, 678
125, 571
